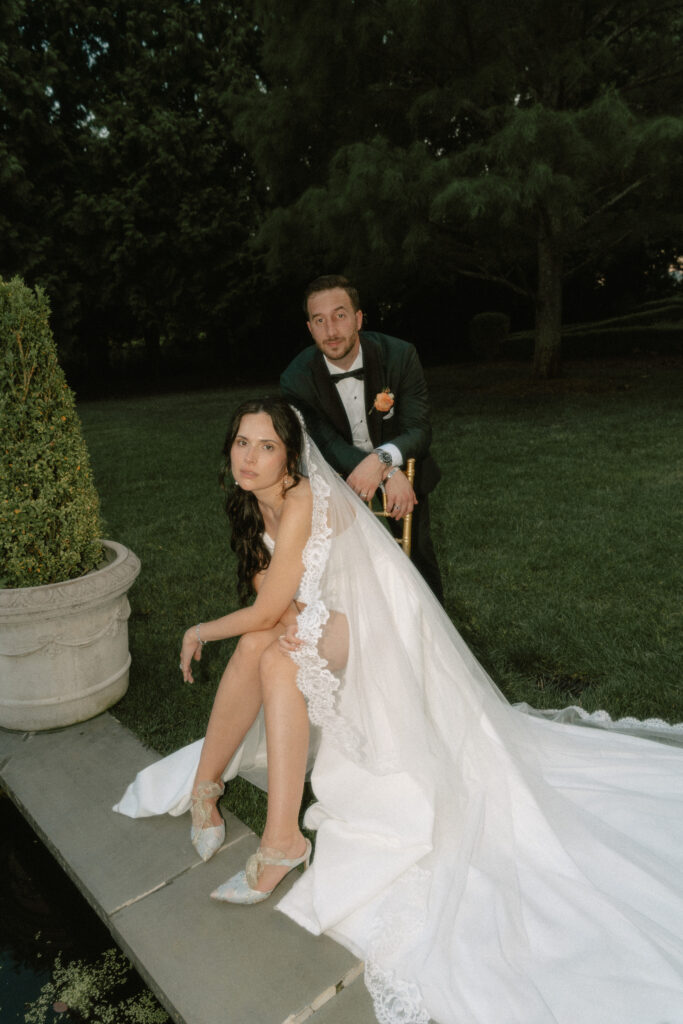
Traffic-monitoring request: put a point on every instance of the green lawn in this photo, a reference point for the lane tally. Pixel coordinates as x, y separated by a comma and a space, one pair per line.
558, 523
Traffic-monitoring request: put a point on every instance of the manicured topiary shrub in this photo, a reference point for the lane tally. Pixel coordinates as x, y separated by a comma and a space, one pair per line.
49, 509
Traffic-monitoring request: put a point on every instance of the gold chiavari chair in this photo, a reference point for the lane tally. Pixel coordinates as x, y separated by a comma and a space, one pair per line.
405, 540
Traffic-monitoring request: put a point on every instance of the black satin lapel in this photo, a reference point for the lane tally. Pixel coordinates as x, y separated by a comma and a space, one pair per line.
331, 405
374, 383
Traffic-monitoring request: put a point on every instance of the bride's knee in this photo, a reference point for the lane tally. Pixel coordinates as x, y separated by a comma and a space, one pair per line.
250, 646
274, 666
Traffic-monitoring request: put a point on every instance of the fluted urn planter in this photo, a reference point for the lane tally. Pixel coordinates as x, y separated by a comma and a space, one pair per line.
64, 646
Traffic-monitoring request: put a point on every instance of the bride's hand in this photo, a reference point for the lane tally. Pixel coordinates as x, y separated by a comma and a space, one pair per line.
191, 649
288, 641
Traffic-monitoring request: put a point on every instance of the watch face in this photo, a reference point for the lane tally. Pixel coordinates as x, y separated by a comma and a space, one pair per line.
383, 456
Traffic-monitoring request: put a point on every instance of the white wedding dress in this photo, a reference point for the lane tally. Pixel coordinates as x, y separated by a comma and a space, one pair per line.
491, 865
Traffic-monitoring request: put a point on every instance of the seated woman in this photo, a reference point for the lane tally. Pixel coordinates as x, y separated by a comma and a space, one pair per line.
484, 861
270, 502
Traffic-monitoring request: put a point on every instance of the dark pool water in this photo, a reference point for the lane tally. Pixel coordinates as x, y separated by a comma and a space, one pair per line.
41, 914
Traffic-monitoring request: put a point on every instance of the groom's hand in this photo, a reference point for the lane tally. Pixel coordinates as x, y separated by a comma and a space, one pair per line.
401, 499
366, 477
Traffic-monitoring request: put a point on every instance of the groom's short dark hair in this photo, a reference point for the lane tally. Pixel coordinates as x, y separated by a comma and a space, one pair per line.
327, 281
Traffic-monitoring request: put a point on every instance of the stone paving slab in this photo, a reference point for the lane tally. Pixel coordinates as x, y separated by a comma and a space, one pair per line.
268, 967
65, 783
10, 744
208, 963
352, 1005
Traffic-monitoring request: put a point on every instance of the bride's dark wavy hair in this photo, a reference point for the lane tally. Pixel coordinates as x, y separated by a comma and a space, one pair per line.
241, 506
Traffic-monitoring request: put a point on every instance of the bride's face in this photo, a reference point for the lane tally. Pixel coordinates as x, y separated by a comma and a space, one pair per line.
258, 457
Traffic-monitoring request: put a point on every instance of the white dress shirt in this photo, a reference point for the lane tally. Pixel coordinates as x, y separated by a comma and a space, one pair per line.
352, 393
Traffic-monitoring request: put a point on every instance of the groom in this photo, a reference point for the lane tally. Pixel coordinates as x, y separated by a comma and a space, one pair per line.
364, 399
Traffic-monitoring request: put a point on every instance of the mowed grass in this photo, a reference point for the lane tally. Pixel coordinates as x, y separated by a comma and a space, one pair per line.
558, 525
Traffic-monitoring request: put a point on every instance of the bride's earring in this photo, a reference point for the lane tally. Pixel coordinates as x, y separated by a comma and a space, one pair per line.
286, 483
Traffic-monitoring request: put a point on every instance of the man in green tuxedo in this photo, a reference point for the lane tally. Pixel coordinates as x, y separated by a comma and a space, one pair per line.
364, 399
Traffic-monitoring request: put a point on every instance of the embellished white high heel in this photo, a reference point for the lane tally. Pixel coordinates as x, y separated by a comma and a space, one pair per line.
206, 838
240, 888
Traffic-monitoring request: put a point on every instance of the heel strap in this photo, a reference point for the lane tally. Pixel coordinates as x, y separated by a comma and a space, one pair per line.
267, 856
202, 800
208, 790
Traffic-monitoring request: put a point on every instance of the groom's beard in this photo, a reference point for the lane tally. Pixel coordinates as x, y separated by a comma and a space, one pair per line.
339, 351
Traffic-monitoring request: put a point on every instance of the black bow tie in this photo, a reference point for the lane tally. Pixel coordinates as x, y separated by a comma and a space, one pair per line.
359, 374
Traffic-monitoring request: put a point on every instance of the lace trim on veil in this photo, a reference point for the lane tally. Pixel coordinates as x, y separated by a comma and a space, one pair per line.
655, 729
604, 718
396, 926
315, 681
399, 919
394, 1001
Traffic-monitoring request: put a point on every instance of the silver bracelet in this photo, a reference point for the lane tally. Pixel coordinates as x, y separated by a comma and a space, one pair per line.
202, 642
390, 474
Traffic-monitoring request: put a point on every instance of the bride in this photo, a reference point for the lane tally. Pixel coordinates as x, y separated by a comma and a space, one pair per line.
488, 863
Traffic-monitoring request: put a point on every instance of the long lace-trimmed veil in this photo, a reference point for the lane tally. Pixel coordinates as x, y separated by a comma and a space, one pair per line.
353, 554
427, 779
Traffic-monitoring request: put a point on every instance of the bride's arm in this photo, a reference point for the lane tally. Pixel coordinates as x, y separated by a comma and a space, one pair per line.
277, 588
290, 616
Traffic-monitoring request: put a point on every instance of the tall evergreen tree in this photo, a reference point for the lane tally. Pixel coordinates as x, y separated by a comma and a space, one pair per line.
509, 142
176, 206
127, 198
48, 49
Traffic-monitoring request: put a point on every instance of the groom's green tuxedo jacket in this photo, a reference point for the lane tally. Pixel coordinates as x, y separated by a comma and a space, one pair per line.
388, 363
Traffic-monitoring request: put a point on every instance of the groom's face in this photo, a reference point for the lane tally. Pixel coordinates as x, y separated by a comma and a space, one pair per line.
334, 326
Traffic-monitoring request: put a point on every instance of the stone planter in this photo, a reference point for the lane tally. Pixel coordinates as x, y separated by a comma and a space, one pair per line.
64, 646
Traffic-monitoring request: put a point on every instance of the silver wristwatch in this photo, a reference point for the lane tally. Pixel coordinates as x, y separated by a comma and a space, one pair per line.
384, 456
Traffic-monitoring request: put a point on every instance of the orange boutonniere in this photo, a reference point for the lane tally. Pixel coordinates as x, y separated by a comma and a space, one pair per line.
383, 401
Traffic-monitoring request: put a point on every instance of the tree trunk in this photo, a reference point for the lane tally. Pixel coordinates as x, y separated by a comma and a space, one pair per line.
548, 344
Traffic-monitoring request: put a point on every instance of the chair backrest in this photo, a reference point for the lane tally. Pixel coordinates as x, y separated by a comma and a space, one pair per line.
405, 540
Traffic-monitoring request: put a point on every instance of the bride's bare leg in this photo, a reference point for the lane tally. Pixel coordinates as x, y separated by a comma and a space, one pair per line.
235, 707
287, 741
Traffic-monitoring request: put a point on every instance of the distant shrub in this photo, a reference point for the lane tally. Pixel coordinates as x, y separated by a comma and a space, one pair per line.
487, 332
624, 341
588, 342
672, 304
49, 508
659, 314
